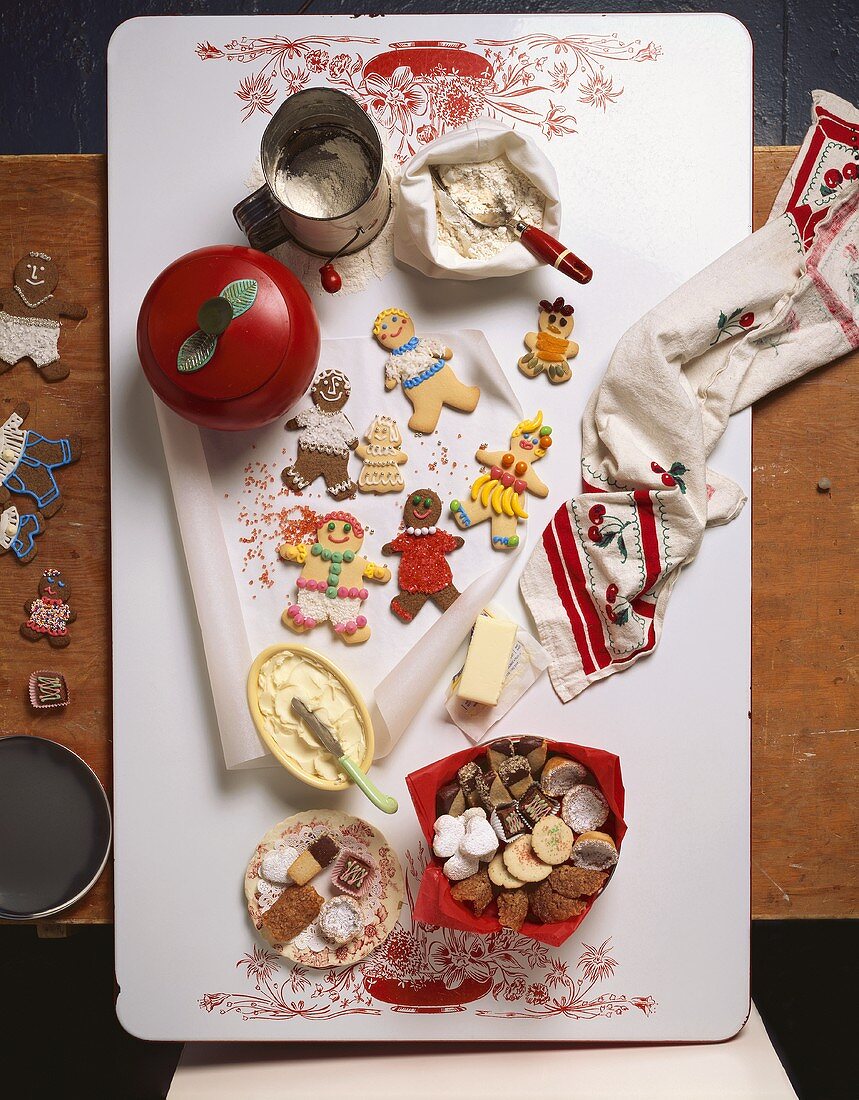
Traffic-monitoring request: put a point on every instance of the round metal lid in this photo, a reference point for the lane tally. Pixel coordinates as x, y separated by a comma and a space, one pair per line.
218, 358
55, 827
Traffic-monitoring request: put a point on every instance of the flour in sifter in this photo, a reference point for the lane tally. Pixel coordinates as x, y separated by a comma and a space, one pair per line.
327, 180
486, 191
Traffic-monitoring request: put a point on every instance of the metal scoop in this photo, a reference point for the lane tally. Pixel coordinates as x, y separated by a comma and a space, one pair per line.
537, 242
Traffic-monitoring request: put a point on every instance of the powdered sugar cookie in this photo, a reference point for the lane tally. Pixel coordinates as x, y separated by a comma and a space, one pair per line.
560, 773
422, 366
584, 808
340, 920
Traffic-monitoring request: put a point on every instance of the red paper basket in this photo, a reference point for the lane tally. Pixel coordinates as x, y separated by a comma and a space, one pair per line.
434, 904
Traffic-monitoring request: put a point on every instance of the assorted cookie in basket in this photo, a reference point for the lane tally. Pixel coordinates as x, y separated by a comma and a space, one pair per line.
525, 831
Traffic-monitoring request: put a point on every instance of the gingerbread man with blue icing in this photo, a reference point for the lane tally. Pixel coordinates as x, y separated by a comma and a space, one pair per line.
422, 366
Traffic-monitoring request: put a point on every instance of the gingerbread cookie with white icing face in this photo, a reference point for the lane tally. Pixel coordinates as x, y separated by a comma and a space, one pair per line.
30, 317
421, 365
326, 439
424, 573
331, 585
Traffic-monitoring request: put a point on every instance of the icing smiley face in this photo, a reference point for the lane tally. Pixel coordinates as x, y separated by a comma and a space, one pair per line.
36, 275
330, 391
422, 509
53, 585
340, 531
393, 328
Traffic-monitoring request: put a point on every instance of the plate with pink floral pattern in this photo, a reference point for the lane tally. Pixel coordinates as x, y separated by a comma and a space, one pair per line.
380, 900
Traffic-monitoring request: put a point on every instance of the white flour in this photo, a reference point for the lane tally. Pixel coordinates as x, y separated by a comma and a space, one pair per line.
327, 180
356, 271
485, 190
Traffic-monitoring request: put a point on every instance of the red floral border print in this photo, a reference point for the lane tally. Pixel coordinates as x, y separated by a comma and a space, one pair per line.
425, 969
419, 90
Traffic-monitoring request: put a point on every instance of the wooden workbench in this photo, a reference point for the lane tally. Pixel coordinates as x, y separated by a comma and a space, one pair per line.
804, 762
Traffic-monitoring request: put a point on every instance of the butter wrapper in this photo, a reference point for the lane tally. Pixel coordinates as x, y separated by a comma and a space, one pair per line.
528, 661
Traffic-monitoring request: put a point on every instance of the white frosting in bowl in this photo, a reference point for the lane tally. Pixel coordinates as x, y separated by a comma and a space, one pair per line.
287, 674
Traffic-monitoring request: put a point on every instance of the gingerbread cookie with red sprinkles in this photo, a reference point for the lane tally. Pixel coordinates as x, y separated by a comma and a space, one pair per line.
423, 546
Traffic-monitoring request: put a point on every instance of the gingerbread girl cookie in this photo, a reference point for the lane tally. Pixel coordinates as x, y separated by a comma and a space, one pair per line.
331, 584
551, 347
424, 573
30, 317
382, 458
326, 439
498, 496
49, 615
421, 365
28, 460
18, 530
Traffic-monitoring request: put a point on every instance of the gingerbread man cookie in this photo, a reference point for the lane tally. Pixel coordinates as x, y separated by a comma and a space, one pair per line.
498, 496
18, 530
551, 347
326, 439
331, 584
30, 317
424, 573
382, 458
421, 365
28, 460
49, 615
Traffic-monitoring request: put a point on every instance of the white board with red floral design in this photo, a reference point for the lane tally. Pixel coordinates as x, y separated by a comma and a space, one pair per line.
648, 121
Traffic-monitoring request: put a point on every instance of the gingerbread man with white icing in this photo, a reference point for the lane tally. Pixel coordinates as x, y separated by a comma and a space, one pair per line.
422, 365
331, 585
326, 439
30, 317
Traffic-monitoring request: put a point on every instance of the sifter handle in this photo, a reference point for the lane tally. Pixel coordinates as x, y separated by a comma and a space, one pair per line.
552, 252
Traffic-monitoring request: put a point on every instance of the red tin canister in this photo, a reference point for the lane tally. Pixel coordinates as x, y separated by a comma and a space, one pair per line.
228, 337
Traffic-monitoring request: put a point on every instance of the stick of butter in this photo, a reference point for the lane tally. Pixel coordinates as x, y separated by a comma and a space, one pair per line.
487, 660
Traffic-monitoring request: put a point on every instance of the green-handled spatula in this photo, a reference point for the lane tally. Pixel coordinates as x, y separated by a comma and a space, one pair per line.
328, 740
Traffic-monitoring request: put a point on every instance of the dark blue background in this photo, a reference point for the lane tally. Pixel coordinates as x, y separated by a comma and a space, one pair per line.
52, 56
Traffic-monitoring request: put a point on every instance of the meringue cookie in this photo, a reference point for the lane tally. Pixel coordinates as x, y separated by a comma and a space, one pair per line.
449, 831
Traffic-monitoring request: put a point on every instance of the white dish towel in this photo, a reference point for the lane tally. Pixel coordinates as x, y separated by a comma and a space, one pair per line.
780, 304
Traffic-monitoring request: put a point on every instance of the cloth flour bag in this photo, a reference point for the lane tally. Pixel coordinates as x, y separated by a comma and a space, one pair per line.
415, 229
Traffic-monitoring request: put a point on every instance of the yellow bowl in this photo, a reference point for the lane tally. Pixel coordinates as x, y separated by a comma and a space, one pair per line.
276, 750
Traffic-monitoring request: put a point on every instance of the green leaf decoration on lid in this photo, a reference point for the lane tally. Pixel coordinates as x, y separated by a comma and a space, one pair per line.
196, 352
241, 295
199, 348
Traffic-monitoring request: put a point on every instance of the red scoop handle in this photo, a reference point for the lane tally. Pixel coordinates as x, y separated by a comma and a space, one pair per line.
552, 252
